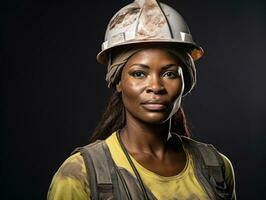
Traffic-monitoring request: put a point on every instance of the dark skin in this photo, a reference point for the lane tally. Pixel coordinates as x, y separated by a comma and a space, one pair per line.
151, 87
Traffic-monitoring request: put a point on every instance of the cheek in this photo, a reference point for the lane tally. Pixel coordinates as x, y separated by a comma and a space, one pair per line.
131, 90
175, 89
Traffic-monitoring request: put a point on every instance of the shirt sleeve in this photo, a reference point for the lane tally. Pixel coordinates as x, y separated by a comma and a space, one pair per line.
70, 182
229, 176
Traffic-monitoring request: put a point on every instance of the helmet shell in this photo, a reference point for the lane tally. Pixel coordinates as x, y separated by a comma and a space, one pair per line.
147, 21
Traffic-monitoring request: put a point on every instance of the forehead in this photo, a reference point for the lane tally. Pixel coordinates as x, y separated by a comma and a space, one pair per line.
153, 55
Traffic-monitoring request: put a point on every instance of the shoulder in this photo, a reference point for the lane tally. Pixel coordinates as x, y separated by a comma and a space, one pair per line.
212, 157
206, 150
70, 180
73, 167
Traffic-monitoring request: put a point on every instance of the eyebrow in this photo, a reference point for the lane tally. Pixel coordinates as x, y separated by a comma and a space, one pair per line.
170, 65
147, 67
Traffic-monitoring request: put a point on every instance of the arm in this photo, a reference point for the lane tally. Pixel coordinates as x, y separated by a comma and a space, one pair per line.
229, 176
70, 182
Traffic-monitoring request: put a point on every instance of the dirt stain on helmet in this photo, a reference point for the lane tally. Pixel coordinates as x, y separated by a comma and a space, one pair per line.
122, 17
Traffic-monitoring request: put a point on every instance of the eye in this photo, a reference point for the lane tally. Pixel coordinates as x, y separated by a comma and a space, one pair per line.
171, 74
137, 74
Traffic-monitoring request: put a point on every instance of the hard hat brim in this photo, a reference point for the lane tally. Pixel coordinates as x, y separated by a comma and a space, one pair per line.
194, 50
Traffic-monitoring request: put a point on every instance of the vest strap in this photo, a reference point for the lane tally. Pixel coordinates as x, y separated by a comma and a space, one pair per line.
209, 168
100, 171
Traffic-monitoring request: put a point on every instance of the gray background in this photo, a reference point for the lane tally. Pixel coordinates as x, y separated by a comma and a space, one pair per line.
53, 92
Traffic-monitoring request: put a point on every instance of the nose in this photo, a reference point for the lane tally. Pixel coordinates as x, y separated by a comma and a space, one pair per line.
155, 85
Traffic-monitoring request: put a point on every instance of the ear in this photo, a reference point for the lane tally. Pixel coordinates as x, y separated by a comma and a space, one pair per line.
118, 87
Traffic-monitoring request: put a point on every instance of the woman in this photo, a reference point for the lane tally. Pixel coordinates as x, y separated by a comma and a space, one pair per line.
141, 147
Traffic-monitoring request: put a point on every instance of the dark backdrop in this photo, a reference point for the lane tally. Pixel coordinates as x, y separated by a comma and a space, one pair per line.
53, 91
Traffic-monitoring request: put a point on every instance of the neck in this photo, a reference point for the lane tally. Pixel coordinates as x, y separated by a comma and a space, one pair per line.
143, 137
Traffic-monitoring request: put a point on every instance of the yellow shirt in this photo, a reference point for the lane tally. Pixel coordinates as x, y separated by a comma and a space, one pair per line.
70, 181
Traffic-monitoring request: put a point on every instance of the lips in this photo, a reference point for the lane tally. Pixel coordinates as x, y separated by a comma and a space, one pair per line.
154, 106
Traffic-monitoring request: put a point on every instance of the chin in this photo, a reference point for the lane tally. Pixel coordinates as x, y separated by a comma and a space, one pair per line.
155, 118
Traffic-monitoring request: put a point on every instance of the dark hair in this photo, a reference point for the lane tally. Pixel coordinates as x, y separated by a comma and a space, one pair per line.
114, 118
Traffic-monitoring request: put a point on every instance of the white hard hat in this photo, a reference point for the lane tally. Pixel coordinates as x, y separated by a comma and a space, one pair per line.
145, 21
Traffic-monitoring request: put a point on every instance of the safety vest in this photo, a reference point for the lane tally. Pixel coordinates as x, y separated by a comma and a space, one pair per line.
108, 181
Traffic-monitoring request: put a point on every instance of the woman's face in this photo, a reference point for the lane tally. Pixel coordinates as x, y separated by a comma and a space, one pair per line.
151, 85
